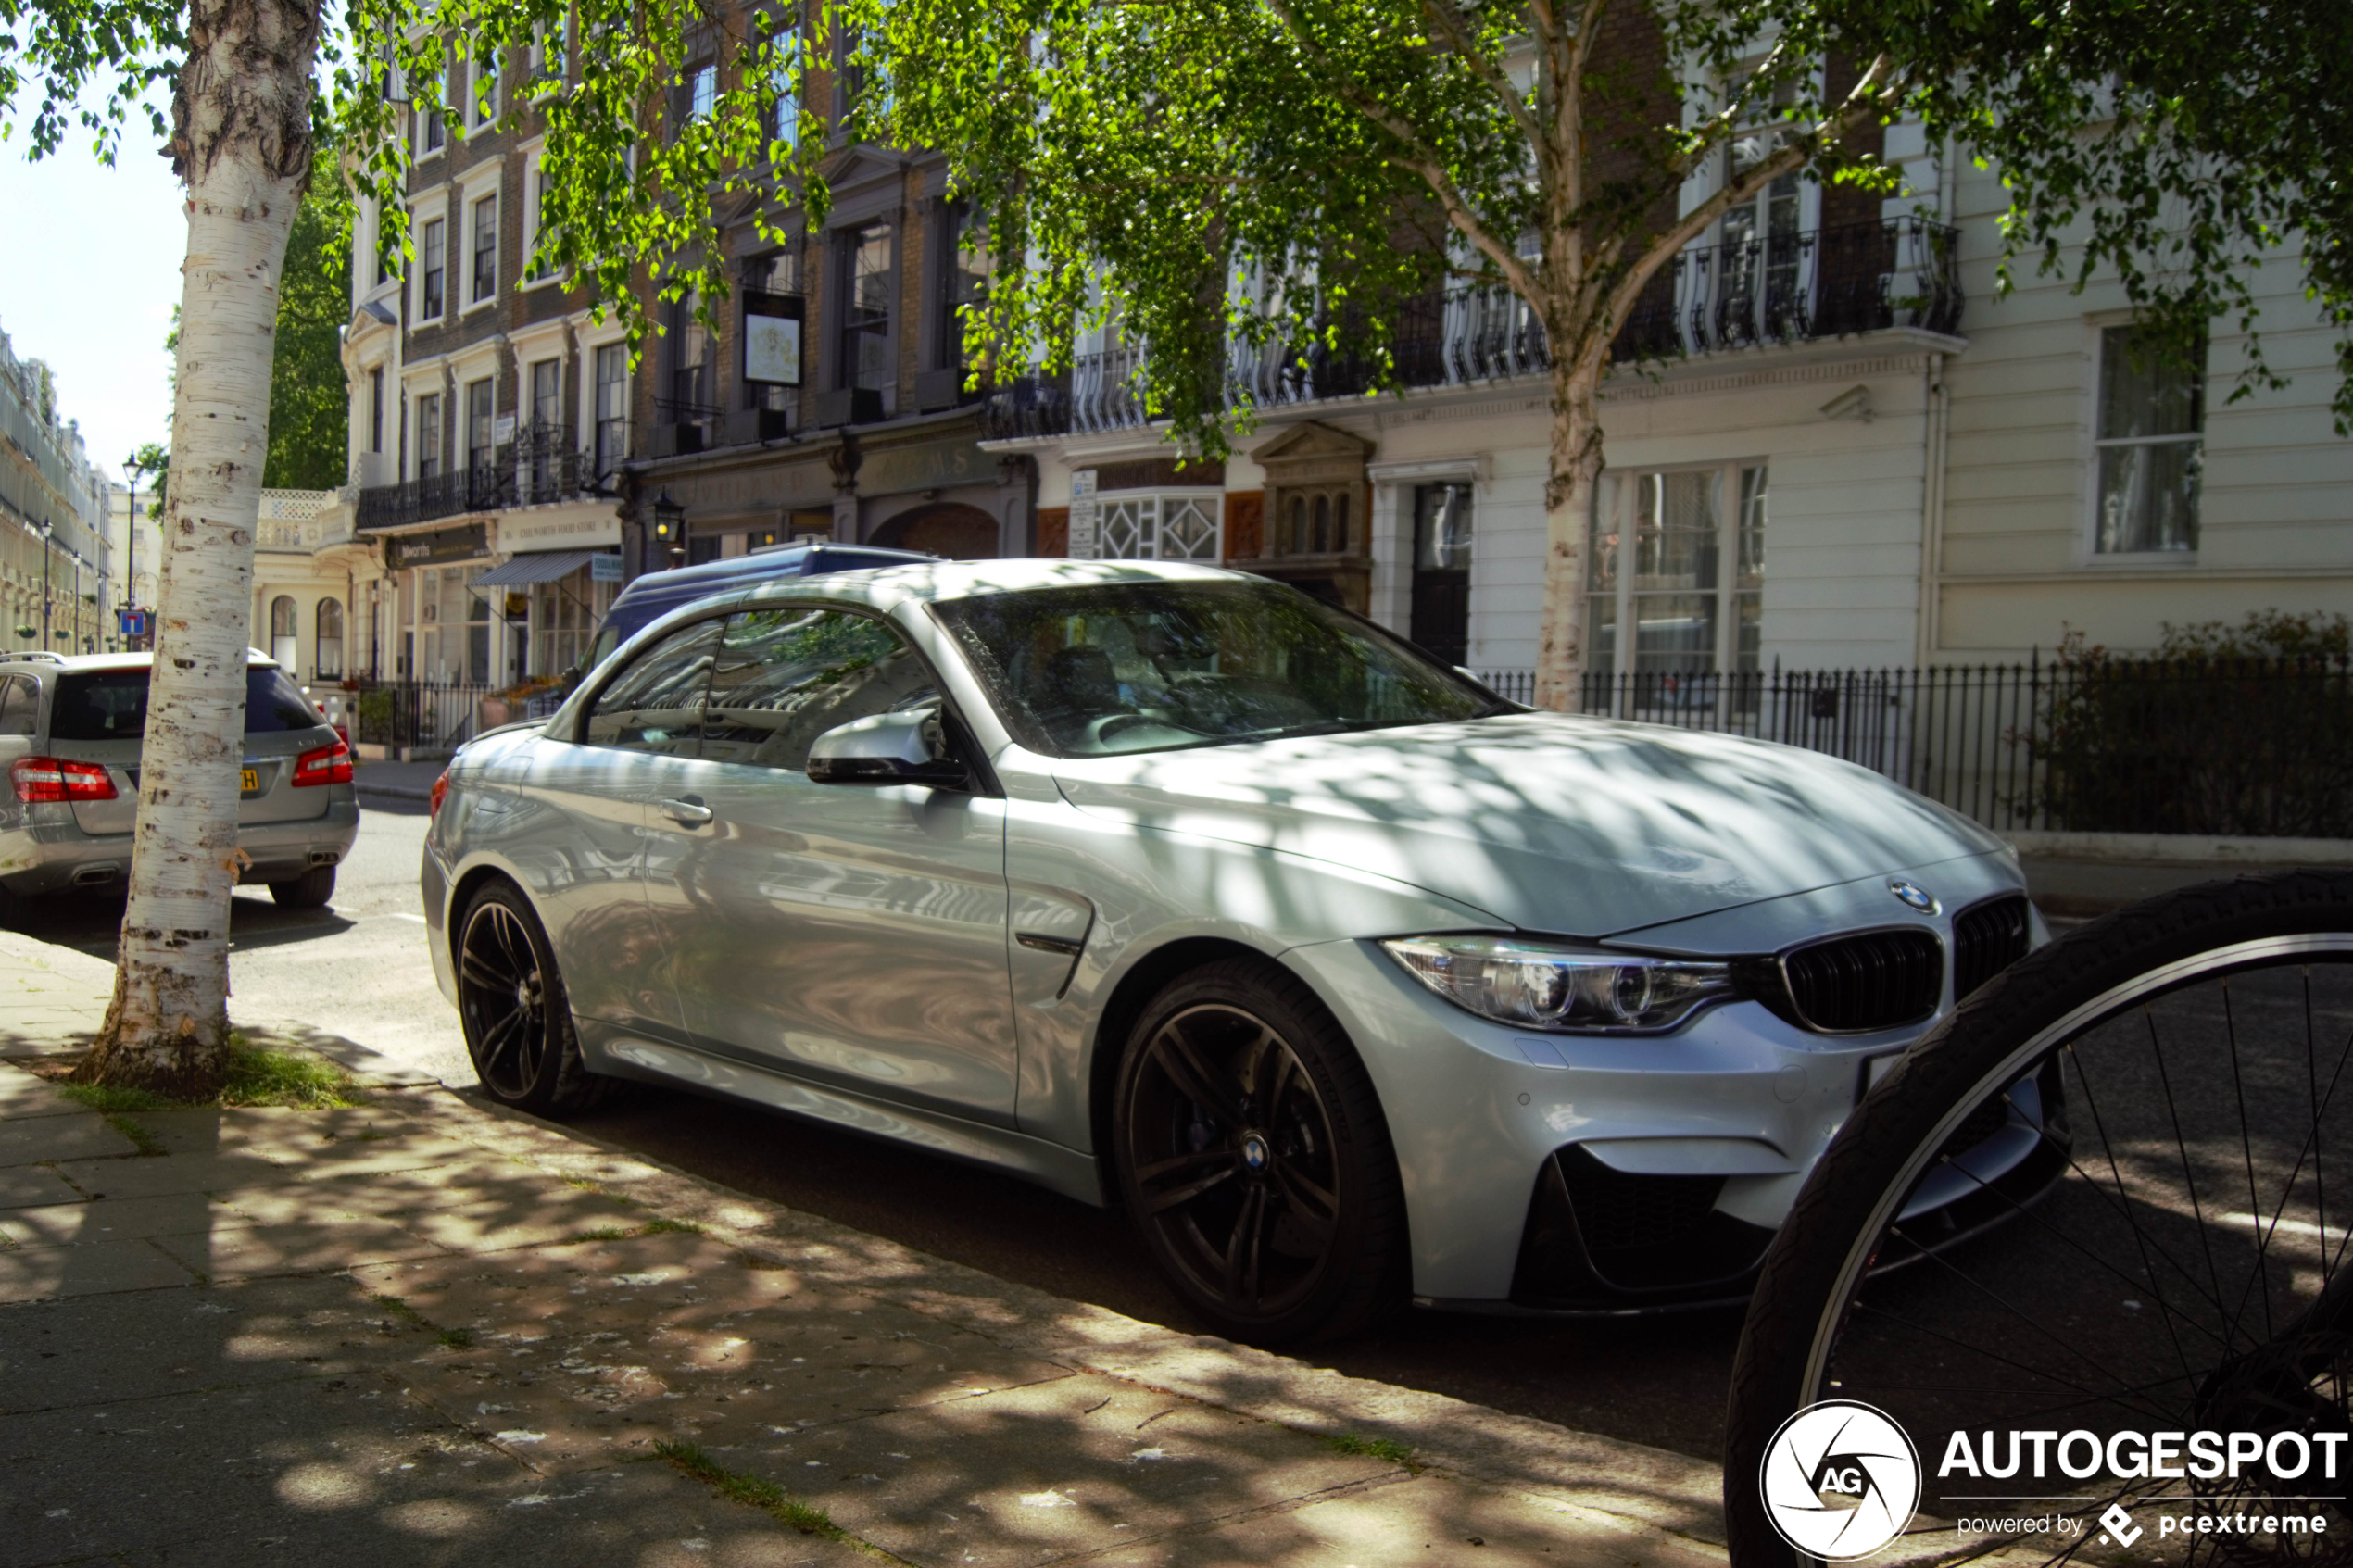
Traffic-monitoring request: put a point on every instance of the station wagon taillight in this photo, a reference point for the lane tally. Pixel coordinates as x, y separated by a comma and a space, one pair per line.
43, 779
329, 764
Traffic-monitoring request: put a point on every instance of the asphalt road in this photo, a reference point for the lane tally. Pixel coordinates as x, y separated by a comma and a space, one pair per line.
359, 970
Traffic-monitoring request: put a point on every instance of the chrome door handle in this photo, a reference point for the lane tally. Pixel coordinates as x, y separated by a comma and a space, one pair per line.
691, 811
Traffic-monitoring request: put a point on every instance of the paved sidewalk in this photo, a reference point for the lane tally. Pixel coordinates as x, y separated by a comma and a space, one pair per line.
421, 1331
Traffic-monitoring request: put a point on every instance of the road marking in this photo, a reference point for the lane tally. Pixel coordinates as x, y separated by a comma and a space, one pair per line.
419, 919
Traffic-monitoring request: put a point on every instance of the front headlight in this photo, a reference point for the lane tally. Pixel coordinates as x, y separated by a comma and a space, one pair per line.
1571, 990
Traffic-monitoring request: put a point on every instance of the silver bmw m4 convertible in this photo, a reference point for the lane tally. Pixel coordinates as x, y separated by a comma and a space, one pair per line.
1172, 889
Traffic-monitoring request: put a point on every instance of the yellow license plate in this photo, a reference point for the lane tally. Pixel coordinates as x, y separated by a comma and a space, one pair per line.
248, 780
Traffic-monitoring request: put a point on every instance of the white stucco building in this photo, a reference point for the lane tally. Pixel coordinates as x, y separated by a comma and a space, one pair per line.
1862, 457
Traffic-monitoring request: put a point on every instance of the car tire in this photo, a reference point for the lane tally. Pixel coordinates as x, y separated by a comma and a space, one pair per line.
514, 1010
312, 890
1251, 1152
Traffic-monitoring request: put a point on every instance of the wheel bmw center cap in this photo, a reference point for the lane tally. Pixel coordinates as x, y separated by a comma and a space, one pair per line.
1255, 1152
1912, 895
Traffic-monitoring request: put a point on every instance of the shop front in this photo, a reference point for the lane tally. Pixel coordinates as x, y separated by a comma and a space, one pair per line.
919, 485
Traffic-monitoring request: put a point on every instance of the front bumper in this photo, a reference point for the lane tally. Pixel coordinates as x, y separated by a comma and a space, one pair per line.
44, 851
1591, 1173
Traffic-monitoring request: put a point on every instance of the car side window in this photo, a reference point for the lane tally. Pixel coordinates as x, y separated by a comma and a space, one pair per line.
20, 705
656, 705
785, 676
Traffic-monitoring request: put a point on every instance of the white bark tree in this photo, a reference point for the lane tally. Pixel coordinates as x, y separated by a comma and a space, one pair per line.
241, 141
240, 74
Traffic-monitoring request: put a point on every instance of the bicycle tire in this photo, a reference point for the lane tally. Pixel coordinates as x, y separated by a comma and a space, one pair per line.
1814, 1275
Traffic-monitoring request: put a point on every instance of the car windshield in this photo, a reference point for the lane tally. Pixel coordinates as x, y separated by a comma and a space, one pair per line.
1127, 667
112, 705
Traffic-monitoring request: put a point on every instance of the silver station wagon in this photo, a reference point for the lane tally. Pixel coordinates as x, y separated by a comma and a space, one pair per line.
1170, 887
72, 730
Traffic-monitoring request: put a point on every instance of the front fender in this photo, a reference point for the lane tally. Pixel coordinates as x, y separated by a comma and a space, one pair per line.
1148, 889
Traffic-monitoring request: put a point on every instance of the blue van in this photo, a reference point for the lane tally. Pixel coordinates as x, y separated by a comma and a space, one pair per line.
656, 594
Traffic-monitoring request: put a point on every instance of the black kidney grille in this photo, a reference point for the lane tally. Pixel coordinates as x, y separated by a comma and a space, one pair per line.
1987, 940
1874, 981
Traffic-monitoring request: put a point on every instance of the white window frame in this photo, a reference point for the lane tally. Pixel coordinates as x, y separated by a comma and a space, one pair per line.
2088, 552
474, 249
480, 111
1149, 508
590, 344
418, 226
1616, 494
533, 157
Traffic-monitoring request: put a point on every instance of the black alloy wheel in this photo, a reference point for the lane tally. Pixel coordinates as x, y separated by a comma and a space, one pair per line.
1253, 1154
511, 1001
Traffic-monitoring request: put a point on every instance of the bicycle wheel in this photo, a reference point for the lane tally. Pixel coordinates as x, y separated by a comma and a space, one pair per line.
2144, 1355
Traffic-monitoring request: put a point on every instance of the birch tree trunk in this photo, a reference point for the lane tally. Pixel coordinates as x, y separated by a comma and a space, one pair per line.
242, 143
1568, 510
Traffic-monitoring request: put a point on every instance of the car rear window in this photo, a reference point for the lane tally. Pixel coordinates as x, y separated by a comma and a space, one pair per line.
112, 705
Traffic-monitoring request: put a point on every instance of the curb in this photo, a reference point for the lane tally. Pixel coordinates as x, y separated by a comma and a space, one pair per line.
396, 792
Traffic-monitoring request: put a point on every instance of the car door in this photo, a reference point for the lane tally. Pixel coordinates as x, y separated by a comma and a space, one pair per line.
848, 934
581, 814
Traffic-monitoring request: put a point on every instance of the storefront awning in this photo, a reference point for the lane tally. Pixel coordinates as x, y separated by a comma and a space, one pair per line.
541, 566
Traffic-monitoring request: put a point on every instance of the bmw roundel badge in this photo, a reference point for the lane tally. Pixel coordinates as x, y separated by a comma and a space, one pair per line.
1913, 894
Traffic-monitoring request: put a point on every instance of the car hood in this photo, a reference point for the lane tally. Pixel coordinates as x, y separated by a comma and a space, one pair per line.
1574, 826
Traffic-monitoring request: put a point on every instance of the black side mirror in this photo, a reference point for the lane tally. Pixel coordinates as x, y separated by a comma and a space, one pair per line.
886, 748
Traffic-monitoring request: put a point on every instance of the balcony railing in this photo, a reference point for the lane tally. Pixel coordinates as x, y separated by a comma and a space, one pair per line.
1817, 283
541, 466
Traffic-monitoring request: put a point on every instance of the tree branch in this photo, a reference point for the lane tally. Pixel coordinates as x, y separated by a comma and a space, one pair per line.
1793, 156
1419, 156
1728, 119
1488, 70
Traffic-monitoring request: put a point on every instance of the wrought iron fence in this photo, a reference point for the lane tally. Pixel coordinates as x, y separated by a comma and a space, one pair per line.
2253, 747
418, 715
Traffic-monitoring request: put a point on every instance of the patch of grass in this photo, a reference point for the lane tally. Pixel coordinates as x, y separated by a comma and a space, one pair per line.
402, 1311
456, 1339
1388, 1450
141, 1137
754, 1260
752, 1492
651, 1227
260, 1076
108, 1099
257, 1076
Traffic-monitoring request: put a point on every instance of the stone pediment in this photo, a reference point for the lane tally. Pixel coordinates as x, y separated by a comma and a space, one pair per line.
856, 170
1312, 442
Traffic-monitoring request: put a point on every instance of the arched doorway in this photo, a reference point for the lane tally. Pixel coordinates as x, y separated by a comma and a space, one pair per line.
946, 528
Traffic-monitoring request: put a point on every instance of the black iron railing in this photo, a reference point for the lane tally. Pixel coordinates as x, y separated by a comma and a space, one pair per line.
1766, 289
2217, 746
541, 466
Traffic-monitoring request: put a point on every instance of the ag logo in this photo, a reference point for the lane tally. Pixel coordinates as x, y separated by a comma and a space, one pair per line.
1839, 1480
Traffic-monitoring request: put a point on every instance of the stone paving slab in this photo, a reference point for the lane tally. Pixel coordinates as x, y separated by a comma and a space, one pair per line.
1430, 1520
27, 1186
36, 1273
137, 1345
337, 1469
1034, 1475
41, 1140
23, 1095
242, 1251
